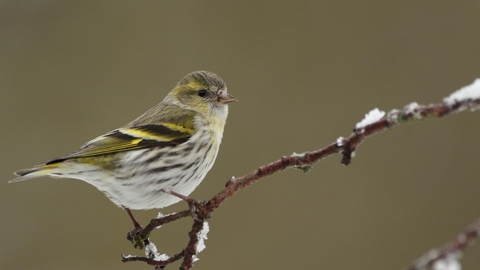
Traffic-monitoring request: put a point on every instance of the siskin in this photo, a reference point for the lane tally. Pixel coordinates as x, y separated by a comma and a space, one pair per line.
171, 146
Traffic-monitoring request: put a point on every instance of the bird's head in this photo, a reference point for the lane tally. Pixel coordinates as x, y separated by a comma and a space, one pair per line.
203, 92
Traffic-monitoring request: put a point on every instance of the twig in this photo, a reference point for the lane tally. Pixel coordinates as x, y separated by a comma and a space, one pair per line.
462, 241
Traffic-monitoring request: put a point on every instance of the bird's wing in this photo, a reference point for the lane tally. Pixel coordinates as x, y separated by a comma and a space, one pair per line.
132, 138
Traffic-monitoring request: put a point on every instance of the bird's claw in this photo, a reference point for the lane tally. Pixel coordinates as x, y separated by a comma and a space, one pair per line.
134, 236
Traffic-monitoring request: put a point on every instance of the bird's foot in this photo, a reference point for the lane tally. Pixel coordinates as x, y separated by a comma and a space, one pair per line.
138, 240
135, 235
197, 209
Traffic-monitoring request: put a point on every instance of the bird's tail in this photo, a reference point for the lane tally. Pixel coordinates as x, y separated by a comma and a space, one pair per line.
27, 174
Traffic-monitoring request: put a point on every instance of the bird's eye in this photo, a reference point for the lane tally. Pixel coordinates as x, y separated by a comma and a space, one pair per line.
202, 93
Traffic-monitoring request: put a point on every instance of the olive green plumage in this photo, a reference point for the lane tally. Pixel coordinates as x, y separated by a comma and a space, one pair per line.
173, 145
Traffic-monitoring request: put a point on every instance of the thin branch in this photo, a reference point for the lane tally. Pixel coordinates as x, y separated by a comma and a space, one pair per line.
191, 250
162, 264
456, 246
304, 161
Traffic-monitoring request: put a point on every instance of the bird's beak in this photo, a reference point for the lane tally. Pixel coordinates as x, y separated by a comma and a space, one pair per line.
225, 98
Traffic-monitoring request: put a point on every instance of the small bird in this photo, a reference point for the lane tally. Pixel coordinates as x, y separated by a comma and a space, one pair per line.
172, 146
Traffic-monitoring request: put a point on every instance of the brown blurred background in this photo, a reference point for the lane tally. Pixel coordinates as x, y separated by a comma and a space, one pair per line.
304, 71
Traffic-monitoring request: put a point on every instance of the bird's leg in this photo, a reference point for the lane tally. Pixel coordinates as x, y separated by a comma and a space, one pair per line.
193, 204
133, 236
135, 222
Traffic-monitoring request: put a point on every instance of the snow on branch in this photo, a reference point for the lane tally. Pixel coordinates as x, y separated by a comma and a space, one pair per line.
469, 92
371, 117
